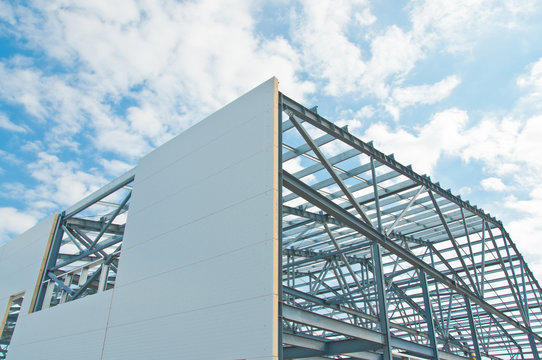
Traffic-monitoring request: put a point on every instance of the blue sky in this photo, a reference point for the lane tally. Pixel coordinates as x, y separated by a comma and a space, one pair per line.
453, 88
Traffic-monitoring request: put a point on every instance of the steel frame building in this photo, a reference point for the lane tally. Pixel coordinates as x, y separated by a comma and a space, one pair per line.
268, 232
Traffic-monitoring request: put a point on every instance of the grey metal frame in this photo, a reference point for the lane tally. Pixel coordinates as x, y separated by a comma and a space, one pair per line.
380, 262
9, 321
86, 244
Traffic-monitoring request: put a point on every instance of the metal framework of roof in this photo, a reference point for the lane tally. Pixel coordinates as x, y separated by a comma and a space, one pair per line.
380, 262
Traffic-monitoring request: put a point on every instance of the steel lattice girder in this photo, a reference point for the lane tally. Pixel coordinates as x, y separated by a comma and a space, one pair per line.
86, 245
340, 197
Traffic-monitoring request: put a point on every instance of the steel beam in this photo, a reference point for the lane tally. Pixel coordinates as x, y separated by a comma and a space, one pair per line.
327, 165
108, 189
365, 337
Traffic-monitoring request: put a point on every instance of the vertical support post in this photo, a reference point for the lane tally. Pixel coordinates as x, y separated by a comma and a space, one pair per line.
532, 342
382, 300
429, 315
474, 335
437, 288
448, 315
67, 282
48, 294
482, 279
83, 276
279, 223
379, 277
377, 200
103, 278
470, 249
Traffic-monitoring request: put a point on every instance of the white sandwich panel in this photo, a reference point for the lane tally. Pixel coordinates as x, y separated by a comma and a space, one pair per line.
80, 346
20, 264
75, 329
238, 183
231, 335
227, 278
238, 136
212, 240
215, 293
57, 332
174, 179
227, 121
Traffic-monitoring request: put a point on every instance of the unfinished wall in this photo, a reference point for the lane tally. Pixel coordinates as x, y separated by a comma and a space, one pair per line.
57, 333
198, 270
196, 276
20, 262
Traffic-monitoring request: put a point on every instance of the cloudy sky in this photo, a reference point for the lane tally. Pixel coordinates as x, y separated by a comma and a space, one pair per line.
452, 87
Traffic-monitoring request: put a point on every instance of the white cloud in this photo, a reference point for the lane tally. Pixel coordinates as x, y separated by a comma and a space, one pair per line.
533, 78
526, 228
13, 222
22, 86
115, 167
441, 135
531, 83
6, 13
506, 146
61, 183
32, 146
493, 184
51, 98
394, 53
379, 64
365, 17
351, 124
366, 111
465, 191
170, 59
425, 94
5, 123
458, 25
320, 32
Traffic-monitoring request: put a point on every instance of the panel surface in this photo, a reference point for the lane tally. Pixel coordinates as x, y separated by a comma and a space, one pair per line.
76, 327
20, 261
80, 346
198, 274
